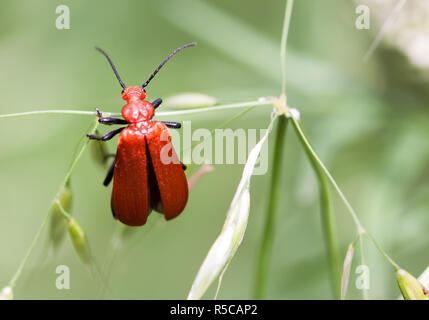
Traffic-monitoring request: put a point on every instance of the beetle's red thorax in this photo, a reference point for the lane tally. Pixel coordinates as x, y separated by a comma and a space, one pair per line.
137, 109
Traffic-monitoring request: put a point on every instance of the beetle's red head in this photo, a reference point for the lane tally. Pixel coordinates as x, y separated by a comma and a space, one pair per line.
133, 93
137, 109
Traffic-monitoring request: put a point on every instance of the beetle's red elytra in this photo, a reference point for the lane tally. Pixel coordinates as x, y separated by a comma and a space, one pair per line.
142, 181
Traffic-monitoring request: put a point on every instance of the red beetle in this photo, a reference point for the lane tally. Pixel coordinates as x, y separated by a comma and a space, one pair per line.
147, 174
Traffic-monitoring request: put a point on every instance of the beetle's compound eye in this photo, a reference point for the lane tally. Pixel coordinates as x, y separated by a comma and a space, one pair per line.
143, 95
124, 95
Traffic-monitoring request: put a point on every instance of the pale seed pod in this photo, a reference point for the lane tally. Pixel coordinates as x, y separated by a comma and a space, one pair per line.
57, 225
189, 100
224, 248
6, 293
226, 245
410, 287
79, 240
346, 270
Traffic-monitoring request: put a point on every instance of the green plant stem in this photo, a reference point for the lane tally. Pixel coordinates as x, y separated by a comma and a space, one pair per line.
45, 112
328, 226
298, 128
360, 229
283, 43
27, 255
384, 254
263, 101
21, 266
268, 233
329, 230
66, 215
260, 102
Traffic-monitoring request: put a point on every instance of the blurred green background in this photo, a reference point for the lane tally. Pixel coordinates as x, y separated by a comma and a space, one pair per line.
367, 120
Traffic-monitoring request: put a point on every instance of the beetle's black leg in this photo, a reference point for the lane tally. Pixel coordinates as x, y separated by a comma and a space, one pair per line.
157, 102
109, 175
109, 120
107, 136
183, 165
173, 125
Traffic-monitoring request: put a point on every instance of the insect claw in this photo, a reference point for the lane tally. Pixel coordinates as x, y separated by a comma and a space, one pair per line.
99, 114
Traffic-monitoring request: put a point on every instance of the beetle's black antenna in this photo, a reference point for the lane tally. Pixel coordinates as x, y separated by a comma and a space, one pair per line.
113, 66
165, 61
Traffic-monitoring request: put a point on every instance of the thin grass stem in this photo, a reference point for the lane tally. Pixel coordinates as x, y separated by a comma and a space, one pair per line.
263, 101
21, 266
283, 43
260, 102
380, 249
298, 128
360, 229
45, 112
261, 275
328, 226
66, 215
262, 271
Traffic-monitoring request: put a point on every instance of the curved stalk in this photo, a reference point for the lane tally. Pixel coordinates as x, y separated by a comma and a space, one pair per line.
260, 102
21, 266
268, 233
328, 225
